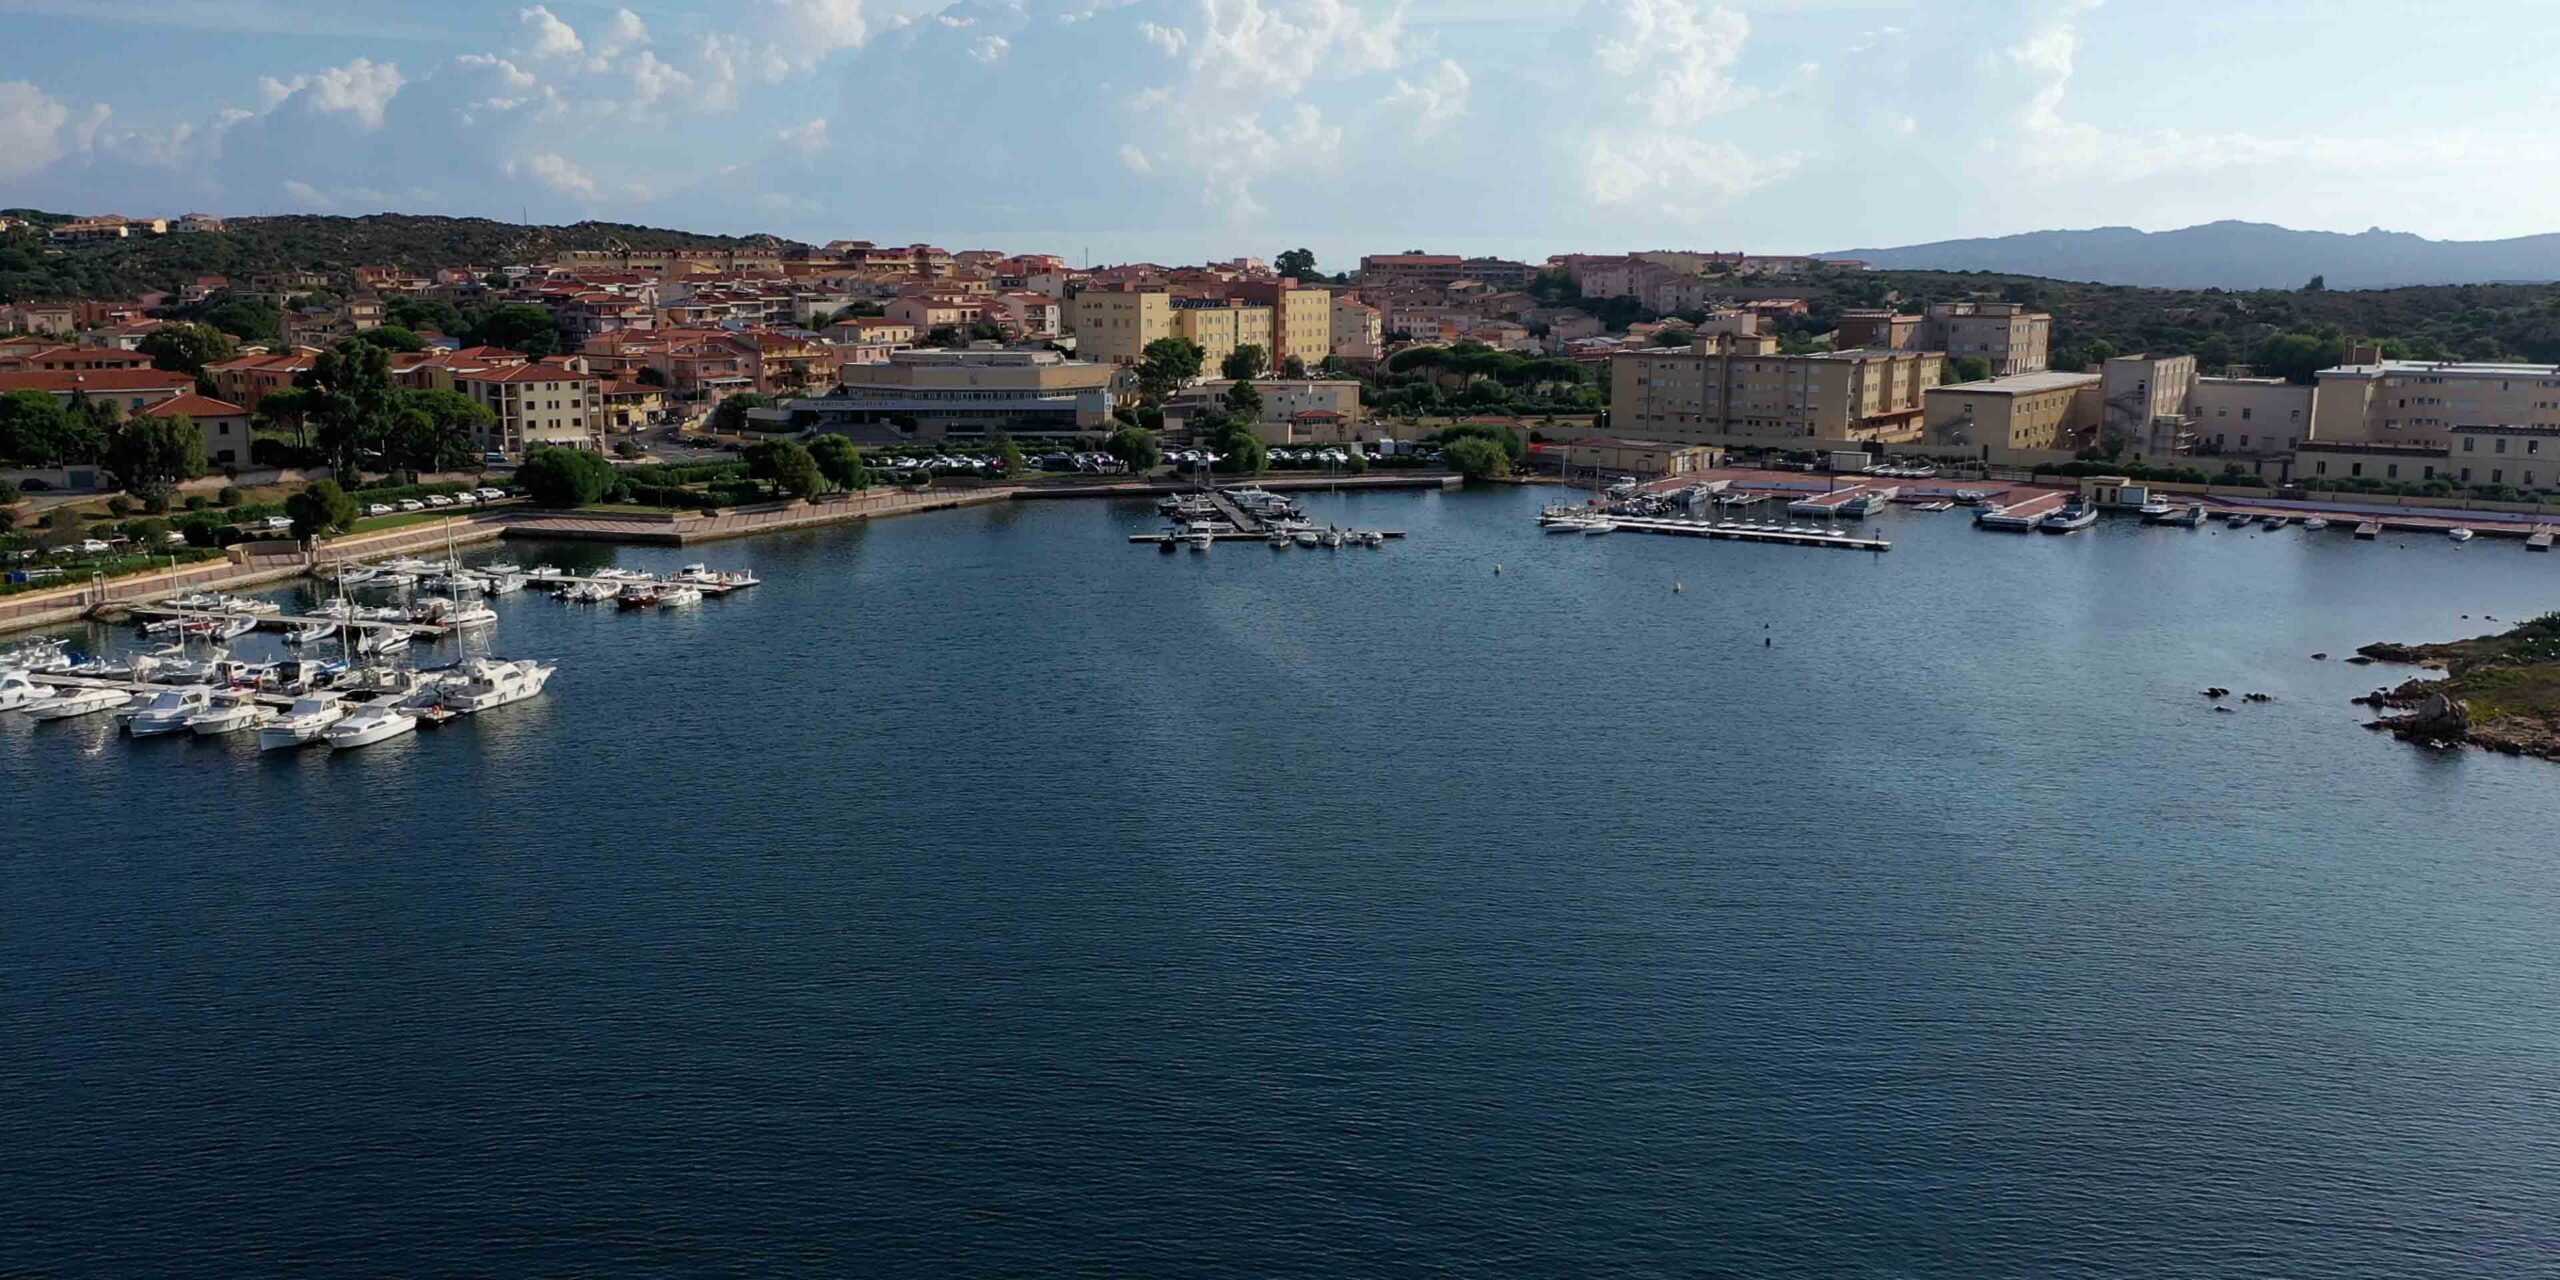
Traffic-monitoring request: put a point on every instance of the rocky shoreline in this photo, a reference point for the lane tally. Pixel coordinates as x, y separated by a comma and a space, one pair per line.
2500, 693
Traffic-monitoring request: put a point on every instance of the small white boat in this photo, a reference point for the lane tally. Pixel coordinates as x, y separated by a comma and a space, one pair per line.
382, 640
1198, 541
2157, 511
230, 713
310, 632
1280, 541
301, 723
78, 702
1307, 538
17, 689
2316, 523
1598, 528
499, 584
679, 597
487, 683
367, 725
1373, 538
168, 711
2458, 534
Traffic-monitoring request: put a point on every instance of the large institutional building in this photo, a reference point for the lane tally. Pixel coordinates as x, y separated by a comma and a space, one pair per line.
1114, 324
1734, 388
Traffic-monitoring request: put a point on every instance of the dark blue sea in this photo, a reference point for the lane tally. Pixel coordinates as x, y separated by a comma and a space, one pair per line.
983, 895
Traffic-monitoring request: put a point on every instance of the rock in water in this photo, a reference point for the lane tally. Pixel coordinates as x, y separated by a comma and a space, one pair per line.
2436, 718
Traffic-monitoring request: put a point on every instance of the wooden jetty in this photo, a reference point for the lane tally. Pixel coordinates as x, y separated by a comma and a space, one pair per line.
1733, 532
2539, 539
2368, 529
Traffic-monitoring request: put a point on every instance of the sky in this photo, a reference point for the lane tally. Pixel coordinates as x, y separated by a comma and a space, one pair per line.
1180, 130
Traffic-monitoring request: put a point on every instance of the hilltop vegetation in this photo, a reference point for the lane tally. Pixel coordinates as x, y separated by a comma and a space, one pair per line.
30, 269
2222, 327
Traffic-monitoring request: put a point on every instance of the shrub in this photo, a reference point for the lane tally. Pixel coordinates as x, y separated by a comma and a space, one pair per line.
119, 506
196, 502
229, 497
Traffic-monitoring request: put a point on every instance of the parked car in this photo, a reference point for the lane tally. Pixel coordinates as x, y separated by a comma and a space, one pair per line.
412, 504
278, 522
377, 509
93, 547
489, 495
438, 500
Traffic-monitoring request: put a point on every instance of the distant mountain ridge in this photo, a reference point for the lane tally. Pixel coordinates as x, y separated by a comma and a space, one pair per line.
2235, 255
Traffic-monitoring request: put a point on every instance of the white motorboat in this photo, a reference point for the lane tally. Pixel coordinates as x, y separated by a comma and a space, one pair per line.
1598, 528
2458, 534
229, 713
487, 683
36, 655
301, 723
1279, 541
499, 584
17, 689
1373, 538
78, 702
1563, 524
1333, 539
367, 725
1308, 538
2157, 511
1198, 541
226, 628
502, 567
168, 711
2316, 523
679, 597
382, 640
310, 632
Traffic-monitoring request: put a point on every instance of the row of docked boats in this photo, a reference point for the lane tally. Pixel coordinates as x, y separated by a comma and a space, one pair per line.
380, 704
634, 589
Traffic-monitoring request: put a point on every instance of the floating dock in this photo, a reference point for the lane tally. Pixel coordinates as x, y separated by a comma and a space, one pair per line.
2369, 529
1239, 535
2021, 515
1826, 505
287, 619
1733, 532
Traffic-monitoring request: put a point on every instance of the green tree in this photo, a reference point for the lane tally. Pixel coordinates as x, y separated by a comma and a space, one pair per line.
35, 430
517, 326
1167, 365
423, 315
1246, 363
394, 337
434, 430
187, 348
941, 335
320, 508
1968, 368
1300, 263
787, 465
1244, 401
1009, 455
1501, 436
1245, 452
151, 455
290, 409
246, 320
730, 416
1294, 367
2297, 356
557, 477
649, 377
354, 407
1477, 457
1135, 446
840, 462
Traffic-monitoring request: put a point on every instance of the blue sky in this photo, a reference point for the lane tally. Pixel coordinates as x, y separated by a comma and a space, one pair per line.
1179, 129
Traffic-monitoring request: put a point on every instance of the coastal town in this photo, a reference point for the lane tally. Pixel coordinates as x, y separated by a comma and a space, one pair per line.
227, 432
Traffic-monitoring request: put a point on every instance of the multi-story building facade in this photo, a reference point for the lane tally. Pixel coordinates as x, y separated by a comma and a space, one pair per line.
1116, 323
1441, 270
927, 395
2009, 335
1359, 331
535, 405
2021, 418
1737, 389
2382, 401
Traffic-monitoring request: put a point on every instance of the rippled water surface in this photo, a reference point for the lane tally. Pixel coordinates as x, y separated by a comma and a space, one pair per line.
984, 895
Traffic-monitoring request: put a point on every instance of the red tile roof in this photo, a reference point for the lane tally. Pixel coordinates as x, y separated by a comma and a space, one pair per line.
64, 381
194, 406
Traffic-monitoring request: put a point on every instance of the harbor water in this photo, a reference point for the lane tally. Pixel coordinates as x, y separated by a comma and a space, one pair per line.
984, 894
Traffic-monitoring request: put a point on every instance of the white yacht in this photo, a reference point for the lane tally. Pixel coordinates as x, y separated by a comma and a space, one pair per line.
17, 690
1598, 528
310, 632
2316, 523
168, 711
382, 640
1373, 538
367, 725
1308, 538
302, 722
78, 702
229, 713
487, 683
679, 597
2458, 534
1199, 541
499, 584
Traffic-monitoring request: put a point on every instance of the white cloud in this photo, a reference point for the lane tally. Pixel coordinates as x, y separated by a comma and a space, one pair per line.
30, 128
624, 30
808, 139
1135, 159
1651, 76
362, 88
553, 170
1431, 100
989, 50
544, 35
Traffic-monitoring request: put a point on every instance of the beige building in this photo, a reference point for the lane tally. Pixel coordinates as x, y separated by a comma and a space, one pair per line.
1116, 324
2023, 418
1737, 389
2250, 416
2387, 463
535, 405
1359, 331
2379, 401
2525, 457
1284, 399
2011, 337
978, 390
1621, 456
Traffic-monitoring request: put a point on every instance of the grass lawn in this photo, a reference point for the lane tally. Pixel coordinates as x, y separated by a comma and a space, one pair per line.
376, 524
